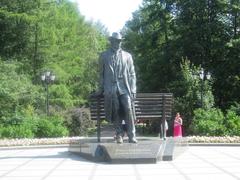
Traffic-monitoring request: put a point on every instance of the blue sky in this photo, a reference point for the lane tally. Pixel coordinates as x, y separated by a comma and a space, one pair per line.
112, 13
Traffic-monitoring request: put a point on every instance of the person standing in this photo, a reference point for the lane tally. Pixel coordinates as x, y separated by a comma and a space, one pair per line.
118, 85
177, 131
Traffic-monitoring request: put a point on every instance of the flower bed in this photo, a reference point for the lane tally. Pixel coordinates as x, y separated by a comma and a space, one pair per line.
41, 141
213, 139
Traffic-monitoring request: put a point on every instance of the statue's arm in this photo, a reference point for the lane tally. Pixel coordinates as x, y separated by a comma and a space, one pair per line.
101, 73
132, 76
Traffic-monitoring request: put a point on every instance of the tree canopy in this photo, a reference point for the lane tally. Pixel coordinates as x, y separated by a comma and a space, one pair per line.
205, 32
47, 35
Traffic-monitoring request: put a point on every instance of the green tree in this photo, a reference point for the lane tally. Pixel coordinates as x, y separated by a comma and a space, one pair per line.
205, 32
150, 36
15, 29
41, 35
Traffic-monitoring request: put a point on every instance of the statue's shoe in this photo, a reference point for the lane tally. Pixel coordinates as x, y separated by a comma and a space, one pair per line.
119, 140
133, 140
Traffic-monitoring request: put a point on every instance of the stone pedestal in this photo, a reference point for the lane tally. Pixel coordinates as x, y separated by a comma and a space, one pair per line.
147, 150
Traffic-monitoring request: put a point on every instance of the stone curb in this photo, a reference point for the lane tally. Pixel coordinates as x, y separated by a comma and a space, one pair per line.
34, 147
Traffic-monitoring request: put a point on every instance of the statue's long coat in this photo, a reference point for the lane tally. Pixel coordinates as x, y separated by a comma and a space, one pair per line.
125, 70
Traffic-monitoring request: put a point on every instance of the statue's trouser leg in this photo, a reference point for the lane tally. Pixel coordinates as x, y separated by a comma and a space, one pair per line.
117, 121
125, 104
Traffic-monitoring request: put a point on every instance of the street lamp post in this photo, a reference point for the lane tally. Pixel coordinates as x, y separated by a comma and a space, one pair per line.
47, 78
203, 75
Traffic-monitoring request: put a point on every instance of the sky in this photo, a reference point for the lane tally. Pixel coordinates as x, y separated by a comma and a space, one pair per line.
113, 14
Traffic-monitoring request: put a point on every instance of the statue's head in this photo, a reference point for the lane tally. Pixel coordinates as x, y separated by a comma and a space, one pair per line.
115, 40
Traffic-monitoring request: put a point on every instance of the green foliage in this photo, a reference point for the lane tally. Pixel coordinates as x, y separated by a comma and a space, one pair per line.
45, 128
60, 96
212, 122
232, 123
15, 31
51, 127
188, 93
16, 131
205, 32
16, 90
208, 122
235, 108
27, 124
37, 34
41, 35
78, 122
19, 126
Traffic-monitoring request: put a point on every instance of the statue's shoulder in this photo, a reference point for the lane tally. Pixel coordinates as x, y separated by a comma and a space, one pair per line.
105, 53
126, 54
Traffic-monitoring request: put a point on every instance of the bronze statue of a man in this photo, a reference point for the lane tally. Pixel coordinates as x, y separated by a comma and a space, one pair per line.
118, 85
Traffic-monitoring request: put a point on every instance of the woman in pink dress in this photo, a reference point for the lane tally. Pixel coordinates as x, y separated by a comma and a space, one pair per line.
177, 131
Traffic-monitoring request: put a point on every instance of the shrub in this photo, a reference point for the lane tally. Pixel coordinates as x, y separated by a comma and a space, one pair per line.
51, 127
232, 123
208, 122
79, 122
17, 131
236, 108
30, 126
19, 126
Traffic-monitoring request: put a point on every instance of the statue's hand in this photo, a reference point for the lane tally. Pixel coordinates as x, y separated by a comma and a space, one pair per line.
133, 95
97, 94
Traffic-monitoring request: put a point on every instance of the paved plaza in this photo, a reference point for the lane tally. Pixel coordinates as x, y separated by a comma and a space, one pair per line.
196, 163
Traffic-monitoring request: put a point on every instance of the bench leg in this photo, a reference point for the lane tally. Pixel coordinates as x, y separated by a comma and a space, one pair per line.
98, 131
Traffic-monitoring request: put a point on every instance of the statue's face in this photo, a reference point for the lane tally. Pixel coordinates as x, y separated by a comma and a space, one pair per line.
116, 44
